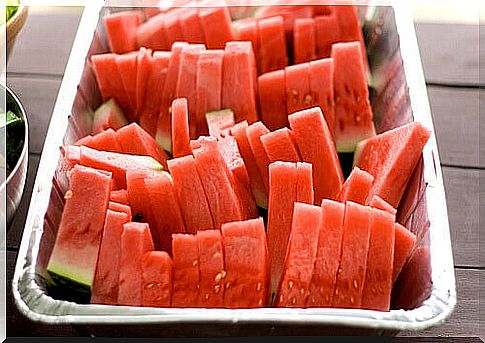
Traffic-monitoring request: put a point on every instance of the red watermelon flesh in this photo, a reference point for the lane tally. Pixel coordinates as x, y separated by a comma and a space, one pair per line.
127, 69
105, 141
298, 91
108, 115
105, 284
282, 196
180, 128
80, 232
216, 24
279, 146
121, 30
327, 260
122, 208
219, 122
321, 85
247, 30
211, 268
186, 274
257, 186
166, 209
239, 81
304, 185
152, 33
86, 141
141, 209
254, 133
300, 257
272, 99
316, 146
391, 158
272, 53
173, 27
353, 113
214, 174
356, 187
404, 245
157, 279
376, 294
119, 196
143, 70
136, 240
192, 30
190, 194
353, 257
379, 203
327, 32
246, 264
208, 88
304, 40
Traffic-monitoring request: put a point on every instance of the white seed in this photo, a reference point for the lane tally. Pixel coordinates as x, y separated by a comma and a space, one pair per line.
259, 286
150, 285
68, 195
290, 284
196, 262
217, 288
356, 284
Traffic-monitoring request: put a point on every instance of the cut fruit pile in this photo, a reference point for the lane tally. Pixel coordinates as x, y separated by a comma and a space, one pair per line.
211, 175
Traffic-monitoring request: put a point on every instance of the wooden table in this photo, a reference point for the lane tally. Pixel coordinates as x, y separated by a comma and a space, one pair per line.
451, 63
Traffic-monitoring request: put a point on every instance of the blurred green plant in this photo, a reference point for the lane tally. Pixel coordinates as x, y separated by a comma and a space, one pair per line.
8, 11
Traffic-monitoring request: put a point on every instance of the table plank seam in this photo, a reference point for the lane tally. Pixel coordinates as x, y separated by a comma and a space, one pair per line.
455, 85
456, 166
42, 76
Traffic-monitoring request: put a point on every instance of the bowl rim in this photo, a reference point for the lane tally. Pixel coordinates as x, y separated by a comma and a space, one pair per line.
25, 148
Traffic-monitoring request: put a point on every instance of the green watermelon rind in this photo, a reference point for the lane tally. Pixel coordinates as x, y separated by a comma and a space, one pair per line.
101, 111
358, 151
70, 282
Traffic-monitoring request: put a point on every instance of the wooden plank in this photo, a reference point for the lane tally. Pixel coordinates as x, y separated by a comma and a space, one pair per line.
38, 97
456, 118
44, 43
449, 52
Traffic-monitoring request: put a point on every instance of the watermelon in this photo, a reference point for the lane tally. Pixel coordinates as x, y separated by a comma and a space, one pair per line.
379, 203
141, 208
127, 69
173, 27
404, 244
327, 259
114, 206
167, 214
121, 30
256, 181
353, 256
246, 264
119, 196
356, 187
105, 141
86, 141
163, 134
279, 146
304, 40
353, 113
152, 33
321, 86
272, 99
254, 133
298, 91
216, 23
304, 184
300, 256
214, 174
208, 89
316, 146
105, 284
282, 196
73, 259
219, 122
376, 294
143, 69
108, 115
186, 274
391, 158
136, 240
180, 128
192, 30
272, 53
156, 279
239, 81
247, 30
327, 32
190, 194
211, 268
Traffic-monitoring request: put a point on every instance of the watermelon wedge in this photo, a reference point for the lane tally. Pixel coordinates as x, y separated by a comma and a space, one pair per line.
279, 146
173, 27
321, 86
85, 141
122, 208
219, 122
192, 30
304, 184
105, 141
108, 115
121, 30
254, 133
247, 30
136, 240
404, 244
186, 274
356, 187
180, 128
272, 99
379, 203
119, 196
215, 20
304, 40
157, 279
141, 208
127, 69
246, 264
327, 32
143, 69
272, 53
152, 33
298, 91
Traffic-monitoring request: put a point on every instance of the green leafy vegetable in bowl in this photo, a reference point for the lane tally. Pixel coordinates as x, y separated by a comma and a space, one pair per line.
15, 132
9, 10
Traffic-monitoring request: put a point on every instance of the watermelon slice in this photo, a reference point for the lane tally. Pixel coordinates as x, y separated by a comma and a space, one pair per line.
143, 69
316, 146
300, 256
279, 146
180, 128
391, 158
327, 260
190, 194
122, 208
119, 196
211, 268
404, 244
214, 174
186, 274
304, 185
304, 40
272, 99
327, 32
219, 122
272, 53
121, 30
208, 89
376, 294
246, 264
298, 91
321, 85
282, 196
353, 257
105, 141
379, 203
353, 113
247, 30
108, 115
239, 81
173, 27
127, 69
192, 30
136, 240
141, 208
163, 135
216, 24
254, 133
74, 256
152, 33
356, 187
157, 279
85, 141
256, 181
